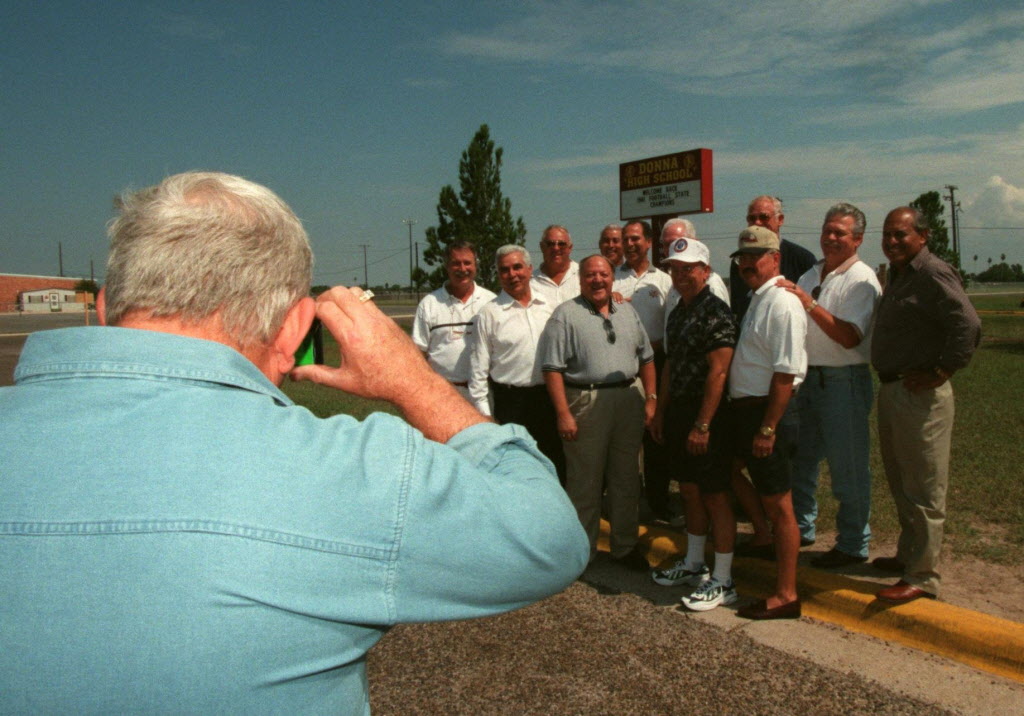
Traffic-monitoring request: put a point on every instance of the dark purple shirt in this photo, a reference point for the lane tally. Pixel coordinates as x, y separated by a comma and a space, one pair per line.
924, 319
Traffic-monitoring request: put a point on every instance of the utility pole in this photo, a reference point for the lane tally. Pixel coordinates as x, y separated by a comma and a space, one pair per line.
60, 259
409, 223
954, 206
366, 276
417, 266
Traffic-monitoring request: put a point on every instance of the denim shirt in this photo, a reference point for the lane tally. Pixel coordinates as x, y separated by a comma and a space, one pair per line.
177, 536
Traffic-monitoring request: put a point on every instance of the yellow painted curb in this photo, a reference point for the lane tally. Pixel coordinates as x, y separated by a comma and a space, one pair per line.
985, 642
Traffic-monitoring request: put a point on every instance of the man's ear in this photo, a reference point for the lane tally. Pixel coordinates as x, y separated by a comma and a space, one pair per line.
294, 328
101, 306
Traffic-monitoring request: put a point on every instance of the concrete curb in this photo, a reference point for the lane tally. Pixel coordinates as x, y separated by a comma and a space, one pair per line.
984, 642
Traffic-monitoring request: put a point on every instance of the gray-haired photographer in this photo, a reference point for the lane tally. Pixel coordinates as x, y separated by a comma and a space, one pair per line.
177, 535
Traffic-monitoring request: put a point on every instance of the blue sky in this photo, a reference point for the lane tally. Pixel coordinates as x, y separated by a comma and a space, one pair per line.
356, 113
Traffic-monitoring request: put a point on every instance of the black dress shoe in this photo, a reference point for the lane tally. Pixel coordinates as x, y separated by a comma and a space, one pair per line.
901, 593
888, 564
635, 560
757, 551
835, 558
806, 541
760, 610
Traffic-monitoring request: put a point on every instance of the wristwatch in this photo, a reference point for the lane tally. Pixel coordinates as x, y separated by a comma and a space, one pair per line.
767, 431
811, 306
652, 396
702, 428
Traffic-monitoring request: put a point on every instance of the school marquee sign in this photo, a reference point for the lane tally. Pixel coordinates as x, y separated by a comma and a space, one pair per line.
671, 184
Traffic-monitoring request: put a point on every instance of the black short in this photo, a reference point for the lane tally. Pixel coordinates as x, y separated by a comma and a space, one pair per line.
771, 474
711, 472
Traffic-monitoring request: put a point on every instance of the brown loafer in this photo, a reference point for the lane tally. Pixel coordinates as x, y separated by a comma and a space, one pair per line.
760, 610
901, 593
888, 564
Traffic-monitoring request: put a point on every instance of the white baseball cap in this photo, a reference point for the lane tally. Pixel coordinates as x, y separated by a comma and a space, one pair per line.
688, 251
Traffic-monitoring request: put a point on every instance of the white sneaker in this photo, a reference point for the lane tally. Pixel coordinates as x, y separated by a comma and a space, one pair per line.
678, 574
709, 595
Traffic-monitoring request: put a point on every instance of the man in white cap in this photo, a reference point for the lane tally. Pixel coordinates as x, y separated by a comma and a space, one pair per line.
691, 419
769, 364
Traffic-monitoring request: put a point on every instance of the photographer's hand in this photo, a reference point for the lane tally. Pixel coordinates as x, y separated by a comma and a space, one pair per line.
379, 361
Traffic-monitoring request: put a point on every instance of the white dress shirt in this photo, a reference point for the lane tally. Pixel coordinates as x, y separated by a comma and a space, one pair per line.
647, 293
773, 339
555, 293
851, 293
505, 346
442, 326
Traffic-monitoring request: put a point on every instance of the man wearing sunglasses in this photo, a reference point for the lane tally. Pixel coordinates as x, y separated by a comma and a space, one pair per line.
557, 279
795, 260
839, 294
599, 369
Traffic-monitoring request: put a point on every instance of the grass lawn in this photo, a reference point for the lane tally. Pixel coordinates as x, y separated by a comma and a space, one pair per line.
985, 505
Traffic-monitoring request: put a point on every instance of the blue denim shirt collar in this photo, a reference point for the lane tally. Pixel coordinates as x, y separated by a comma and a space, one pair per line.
105, 350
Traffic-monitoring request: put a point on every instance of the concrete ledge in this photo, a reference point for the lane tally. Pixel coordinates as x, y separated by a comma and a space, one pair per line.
984, 642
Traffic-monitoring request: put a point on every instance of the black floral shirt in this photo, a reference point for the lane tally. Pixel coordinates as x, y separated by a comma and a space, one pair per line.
692, 332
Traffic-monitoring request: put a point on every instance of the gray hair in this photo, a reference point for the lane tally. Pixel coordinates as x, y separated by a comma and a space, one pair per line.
459, 245
689, 230
776, 202
860, 223
617, 227
512, 249
556, 227
202, 243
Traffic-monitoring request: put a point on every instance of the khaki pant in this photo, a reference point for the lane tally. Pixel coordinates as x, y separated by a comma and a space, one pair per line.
610, 428
914, 432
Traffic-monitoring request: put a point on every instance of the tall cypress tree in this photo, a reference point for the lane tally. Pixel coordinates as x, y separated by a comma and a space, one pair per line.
930, 204
478, 213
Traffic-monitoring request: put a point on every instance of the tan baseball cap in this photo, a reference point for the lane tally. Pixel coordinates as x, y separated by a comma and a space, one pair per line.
756, 240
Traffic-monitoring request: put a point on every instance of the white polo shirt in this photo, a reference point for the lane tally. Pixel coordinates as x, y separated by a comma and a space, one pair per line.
715, 283
773, 339
555, 293
851, 292
506, 334
647, 293
442, 327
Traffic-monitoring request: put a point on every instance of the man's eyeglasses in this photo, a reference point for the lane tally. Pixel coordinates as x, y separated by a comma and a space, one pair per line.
609, 331
754, 218
556, 244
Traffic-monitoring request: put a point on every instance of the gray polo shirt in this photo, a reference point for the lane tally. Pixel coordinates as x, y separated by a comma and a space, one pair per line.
577, 342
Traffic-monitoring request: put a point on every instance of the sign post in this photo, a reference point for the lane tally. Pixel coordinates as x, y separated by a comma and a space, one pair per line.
666, 186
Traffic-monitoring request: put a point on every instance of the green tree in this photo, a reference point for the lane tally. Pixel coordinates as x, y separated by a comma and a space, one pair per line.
478, 213
930, 204
89, 286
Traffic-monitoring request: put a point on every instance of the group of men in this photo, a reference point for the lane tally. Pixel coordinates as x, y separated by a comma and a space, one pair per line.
614, 357
174, 530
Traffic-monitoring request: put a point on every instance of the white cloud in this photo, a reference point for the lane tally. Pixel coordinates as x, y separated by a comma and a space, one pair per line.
999, 203
894, 54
